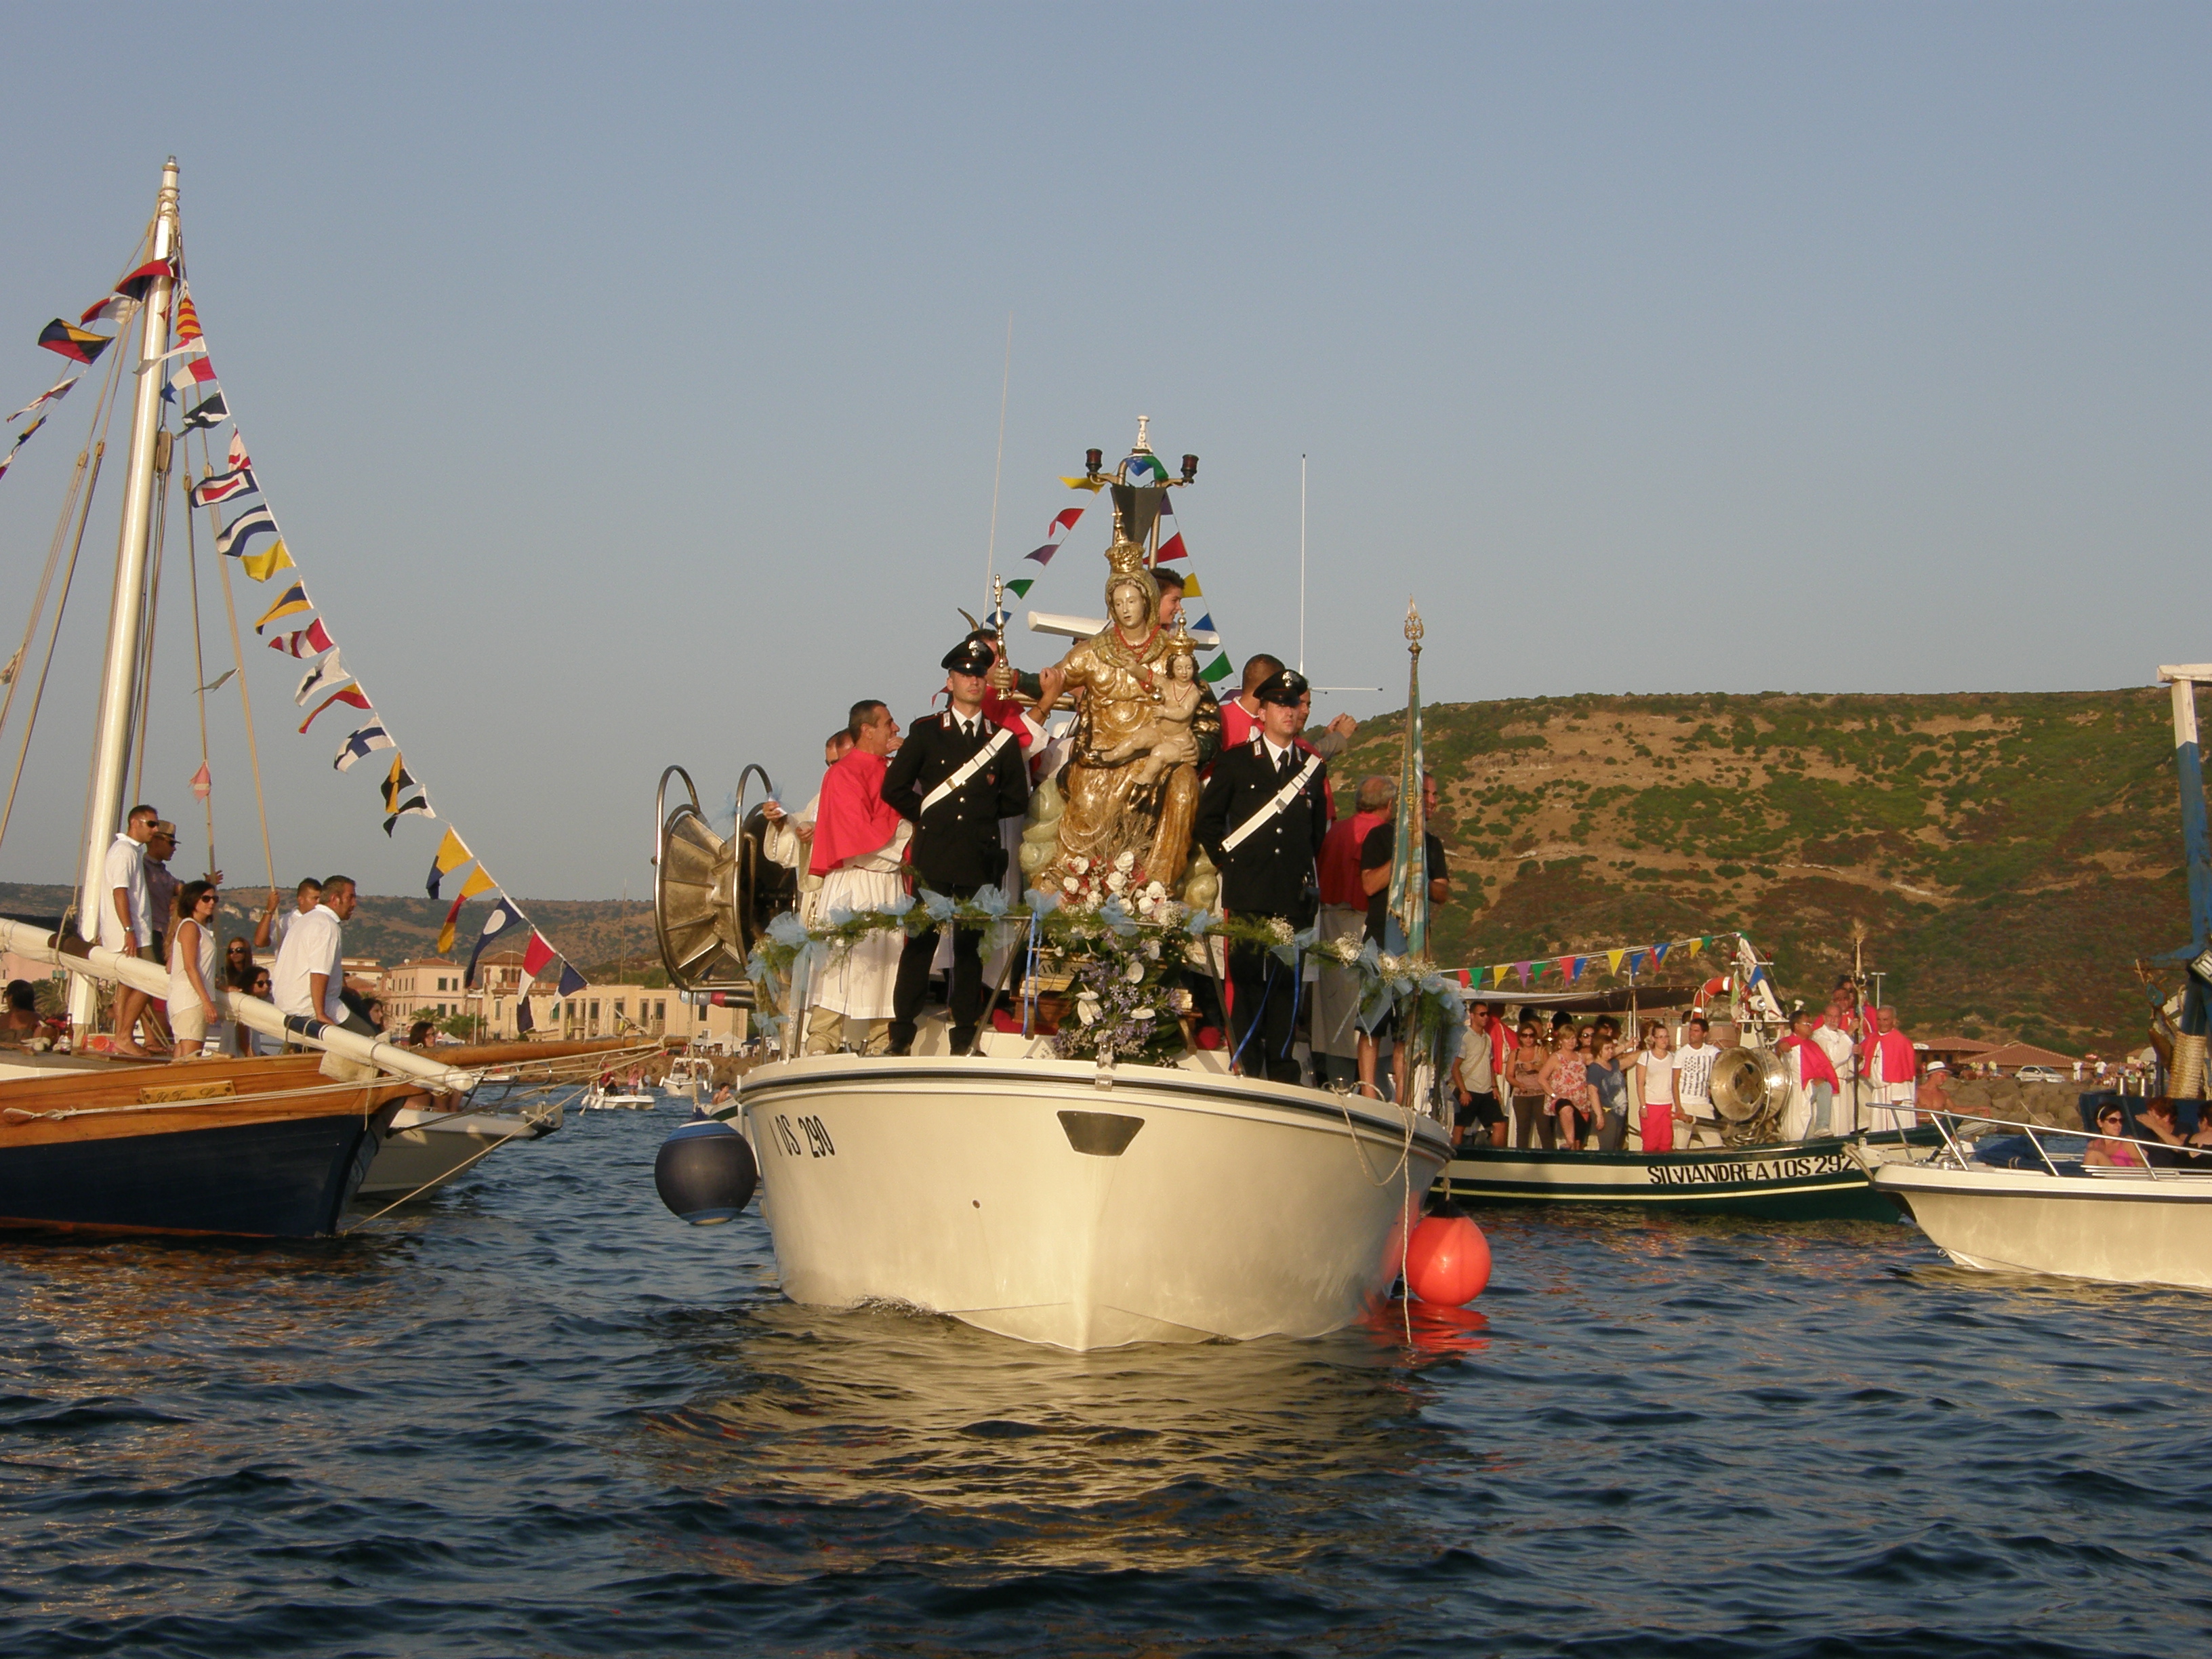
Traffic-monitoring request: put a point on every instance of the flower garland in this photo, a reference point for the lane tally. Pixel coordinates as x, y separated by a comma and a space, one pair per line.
1102, 936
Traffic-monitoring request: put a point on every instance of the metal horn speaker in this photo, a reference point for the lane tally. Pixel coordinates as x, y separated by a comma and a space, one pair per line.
1746, 1082
694, 888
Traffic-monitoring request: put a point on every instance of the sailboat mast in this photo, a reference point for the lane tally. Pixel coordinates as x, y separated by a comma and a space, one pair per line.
111, 754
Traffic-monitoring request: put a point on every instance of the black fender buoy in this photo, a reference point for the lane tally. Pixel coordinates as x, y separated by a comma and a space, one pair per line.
705, 1172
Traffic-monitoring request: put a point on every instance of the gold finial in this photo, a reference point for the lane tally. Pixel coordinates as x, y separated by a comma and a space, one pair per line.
1001, 677
1414, 629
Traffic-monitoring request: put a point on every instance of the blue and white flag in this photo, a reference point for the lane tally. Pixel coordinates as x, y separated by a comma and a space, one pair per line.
241, 529
369, 738
505, 922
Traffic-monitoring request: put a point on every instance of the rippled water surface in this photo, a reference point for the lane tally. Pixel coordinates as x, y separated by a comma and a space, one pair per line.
535, 1415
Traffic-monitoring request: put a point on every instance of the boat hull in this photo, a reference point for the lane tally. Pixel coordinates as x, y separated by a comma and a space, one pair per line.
1815, 1180
253, 1148
421, 1151
2122, 1230
1023, 1197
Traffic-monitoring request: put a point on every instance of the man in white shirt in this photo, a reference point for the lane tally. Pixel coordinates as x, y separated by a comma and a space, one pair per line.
1693, 1070
125, 915
269, 933
310, 973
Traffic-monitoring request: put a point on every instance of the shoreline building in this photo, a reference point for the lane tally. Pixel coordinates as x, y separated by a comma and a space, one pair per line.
431, 987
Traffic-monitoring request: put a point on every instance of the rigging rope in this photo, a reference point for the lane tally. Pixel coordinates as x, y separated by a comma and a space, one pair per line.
144, 682
199, 660
88, 477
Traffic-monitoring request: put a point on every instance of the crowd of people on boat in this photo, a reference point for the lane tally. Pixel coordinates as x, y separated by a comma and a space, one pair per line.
146, 912
1588, 1084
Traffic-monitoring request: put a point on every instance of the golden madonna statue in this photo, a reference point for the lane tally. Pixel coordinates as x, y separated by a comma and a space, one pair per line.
1146, 724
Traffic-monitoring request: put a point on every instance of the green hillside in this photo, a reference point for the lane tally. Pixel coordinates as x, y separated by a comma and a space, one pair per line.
2009, 855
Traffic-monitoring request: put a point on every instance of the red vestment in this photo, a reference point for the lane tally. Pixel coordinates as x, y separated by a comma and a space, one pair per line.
852, 820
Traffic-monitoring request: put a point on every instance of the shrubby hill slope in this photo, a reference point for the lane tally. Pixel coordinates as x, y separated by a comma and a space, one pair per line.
2007, 855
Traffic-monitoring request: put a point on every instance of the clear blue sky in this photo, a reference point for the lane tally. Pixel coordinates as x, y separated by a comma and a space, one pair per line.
627, 380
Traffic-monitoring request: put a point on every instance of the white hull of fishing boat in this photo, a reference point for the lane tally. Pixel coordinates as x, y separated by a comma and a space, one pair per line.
1043, 1200
2125, 1228
422, 1149
597, 1099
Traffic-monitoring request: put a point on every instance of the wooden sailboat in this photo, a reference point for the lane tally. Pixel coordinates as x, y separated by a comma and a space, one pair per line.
266, 1146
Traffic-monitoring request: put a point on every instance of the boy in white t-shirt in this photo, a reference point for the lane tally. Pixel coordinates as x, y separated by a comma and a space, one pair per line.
1693, 1070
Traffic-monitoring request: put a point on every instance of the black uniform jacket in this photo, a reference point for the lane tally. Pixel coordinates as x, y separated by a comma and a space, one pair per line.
956, 842
1271, 872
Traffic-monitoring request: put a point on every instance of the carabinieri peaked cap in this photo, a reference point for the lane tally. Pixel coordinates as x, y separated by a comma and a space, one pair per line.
1284, 686
971, 656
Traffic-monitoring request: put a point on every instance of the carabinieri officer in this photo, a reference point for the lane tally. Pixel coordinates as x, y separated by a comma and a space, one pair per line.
956, 775
1262, 820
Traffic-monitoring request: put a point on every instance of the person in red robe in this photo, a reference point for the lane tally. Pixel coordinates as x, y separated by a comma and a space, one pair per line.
859, 841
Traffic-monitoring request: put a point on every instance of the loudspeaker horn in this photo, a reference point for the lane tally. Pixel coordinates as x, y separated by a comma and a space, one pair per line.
713, 898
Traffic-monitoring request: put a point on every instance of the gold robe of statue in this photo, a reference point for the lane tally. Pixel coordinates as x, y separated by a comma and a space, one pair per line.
1146, 728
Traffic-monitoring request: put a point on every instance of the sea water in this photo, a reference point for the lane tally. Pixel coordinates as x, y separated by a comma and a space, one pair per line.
536, 1415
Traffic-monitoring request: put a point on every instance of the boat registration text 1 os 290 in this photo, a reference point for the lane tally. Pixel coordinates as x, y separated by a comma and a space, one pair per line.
1699, 1173
818, 1143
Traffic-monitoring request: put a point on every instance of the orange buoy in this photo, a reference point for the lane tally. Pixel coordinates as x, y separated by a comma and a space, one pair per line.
1447, 1261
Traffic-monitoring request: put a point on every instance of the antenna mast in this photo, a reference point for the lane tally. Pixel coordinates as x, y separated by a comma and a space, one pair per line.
1301, 563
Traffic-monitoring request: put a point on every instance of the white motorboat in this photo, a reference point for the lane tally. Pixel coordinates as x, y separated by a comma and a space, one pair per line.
422, 1148
1086, 1207
2124, 1225
604, 1095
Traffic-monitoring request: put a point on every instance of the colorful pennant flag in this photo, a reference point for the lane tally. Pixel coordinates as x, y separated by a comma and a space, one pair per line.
221, 486
1574, 967
1191, 590
206, 414
202, 783
309, 641
539, 956
398, 802
290, 602
446, 932
571, 982
134, 286
370, 736
111, 309
238, 456
1062, 523
59, 389
188, 316
231, 542
77, 344
1171, 545
1613, 960
1020, 587
263, 565
1142, 466
450, 856
319, 679
352, 695
504, 918
1659, 953
1498, 974
525, 1021
1635, 962
1094, 485
479, 881
1520, 968
1216, 670
21, 438
198, 371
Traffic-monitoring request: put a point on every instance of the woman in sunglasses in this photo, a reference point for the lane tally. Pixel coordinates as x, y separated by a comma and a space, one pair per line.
2107, 1149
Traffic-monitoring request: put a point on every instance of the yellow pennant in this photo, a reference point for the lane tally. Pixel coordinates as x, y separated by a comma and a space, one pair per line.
1697, 946
1498, 974
451, 855
479, 881
1191, 590
445, 940
1094, 485
262, 566
1612, 959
